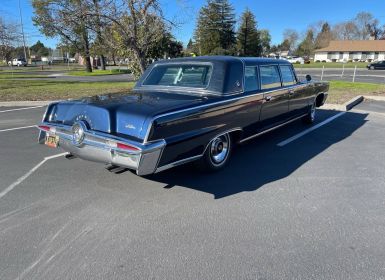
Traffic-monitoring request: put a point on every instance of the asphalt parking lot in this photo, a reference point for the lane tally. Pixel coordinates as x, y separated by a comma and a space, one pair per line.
293, 204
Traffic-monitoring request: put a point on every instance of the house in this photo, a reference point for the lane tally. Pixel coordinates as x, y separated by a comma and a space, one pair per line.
347, 51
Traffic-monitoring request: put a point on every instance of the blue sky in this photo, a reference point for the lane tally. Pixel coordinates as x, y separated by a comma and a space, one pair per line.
275, 15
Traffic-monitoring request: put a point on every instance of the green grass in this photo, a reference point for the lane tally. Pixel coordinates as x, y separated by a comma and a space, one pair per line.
14, 90
99, 72
341, 92
332, 65
20, 76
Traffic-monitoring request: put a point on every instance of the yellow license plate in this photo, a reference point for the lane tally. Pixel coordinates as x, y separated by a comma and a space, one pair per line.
52, 141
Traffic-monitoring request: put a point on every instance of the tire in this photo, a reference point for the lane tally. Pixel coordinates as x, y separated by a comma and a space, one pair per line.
372, 68
217, 154
310, 117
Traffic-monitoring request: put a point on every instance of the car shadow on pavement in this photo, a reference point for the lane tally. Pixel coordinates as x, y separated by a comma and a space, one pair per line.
261, 161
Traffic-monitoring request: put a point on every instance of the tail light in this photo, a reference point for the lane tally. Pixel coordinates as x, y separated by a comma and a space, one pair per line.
126, 147
44, 127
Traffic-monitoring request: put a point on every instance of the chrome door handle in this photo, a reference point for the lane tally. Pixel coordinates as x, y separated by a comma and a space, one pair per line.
268, 98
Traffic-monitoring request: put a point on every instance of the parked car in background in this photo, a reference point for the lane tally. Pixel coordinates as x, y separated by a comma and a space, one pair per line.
376, 65
17, 62
295, 60
183, 110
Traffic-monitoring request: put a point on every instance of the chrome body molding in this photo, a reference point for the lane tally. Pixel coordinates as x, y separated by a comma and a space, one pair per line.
271, 129
102, 147
177, 163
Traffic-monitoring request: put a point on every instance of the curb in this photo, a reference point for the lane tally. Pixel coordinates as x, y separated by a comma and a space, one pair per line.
353, 102
373, 97
25, 103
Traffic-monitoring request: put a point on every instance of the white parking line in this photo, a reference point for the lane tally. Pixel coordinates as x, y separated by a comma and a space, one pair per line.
18, 109
29, 173
17, 128
299, 135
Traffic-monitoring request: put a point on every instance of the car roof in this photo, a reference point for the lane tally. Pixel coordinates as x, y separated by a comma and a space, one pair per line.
228, 59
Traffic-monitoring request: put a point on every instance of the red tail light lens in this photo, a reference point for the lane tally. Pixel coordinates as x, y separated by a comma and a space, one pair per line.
44, 127
126, 147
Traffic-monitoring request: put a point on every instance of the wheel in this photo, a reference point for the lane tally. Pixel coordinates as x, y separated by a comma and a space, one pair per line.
371, 67
217, 154
310, 117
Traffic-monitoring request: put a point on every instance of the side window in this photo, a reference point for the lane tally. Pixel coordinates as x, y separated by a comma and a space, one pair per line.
288, 78
251, 82
269, 77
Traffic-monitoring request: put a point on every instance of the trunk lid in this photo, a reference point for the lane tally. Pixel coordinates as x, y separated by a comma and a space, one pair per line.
119, 114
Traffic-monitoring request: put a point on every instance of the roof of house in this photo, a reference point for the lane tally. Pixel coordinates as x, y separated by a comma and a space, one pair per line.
355, 46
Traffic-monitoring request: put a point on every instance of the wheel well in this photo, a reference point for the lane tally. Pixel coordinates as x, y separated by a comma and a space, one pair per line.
236, 136
319, 99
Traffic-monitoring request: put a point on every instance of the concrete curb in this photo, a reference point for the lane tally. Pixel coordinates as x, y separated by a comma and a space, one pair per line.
25, 103
346, 106
373, 97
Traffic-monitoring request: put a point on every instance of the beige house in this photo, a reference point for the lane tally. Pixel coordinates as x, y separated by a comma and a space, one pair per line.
344, 51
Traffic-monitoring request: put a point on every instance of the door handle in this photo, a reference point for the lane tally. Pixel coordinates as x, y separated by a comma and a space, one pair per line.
268, 98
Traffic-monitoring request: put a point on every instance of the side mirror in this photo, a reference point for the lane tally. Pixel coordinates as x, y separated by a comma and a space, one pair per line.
308, 78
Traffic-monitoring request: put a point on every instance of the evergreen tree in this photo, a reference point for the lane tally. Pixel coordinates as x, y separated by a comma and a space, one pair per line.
215, 28
248, 36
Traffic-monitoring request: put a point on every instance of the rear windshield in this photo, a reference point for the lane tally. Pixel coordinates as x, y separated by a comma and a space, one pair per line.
194, 76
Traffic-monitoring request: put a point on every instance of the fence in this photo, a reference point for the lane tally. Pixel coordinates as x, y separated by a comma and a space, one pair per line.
343, 74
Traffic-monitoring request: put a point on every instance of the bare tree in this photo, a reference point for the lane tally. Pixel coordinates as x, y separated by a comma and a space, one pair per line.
346, 31
291, 36
8, 38
365, 22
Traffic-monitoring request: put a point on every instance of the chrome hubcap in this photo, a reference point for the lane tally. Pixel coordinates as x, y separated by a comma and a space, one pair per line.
219, 149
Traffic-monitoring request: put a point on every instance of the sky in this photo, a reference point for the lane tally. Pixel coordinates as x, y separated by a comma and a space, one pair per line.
276, 16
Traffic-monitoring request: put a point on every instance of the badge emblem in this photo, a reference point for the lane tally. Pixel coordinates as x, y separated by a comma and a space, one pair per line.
78, 133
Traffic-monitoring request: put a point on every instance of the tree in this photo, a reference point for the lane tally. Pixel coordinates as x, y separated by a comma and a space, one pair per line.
265, 39
248, 36
306, 47
324, 37
215, 28
8, 39
67, 19
365, 22
290, 37
39, 49
346, 31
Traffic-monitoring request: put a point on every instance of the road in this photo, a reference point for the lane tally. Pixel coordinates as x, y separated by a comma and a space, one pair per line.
362, 75
310, 209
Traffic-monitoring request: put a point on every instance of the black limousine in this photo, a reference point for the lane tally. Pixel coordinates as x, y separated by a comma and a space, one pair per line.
183, 110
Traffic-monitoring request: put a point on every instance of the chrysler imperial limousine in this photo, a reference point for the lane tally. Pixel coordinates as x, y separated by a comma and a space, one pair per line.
183, 110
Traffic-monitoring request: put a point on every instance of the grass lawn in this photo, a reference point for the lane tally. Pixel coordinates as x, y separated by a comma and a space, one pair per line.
19, 76
14, 90
341, 92
332, 65
99, 72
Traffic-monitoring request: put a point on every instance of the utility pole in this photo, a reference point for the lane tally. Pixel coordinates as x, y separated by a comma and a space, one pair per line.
22, 31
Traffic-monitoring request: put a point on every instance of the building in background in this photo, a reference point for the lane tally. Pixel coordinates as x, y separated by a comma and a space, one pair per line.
352, 51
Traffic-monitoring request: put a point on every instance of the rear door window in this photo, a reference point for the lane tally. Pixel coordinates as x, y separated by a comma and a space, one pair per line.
270, 77
288, 77
251, 81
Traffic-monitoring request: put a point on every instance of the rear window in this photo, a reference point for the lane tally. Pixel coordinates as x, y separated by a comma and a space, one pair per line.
251, 82
195, 76
270, 77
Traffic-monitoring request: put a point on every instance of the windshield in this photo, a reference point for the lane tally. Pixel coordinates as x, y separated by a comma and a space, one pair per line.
194, 76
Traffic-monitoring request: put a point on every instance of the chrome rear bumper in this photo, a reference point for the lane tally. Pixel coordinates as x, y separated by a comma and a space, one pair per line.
105, 148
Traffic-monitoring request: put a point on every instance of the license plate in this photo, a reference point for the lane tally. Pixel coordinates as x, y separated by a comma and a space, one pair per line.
52, 141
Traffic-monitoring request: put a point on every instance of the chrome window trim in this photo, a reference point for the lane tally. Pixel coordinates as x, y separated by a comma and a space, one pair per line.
179, 63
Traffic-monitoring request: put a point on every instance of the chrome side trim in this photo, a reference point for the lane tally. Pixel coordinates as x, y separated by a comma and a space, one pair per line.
177, 163
271, 129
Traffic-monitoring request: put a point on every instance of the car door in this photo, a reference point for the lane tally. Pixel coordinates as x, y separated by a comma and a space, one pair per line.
382, 65
298, 93
275, 106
